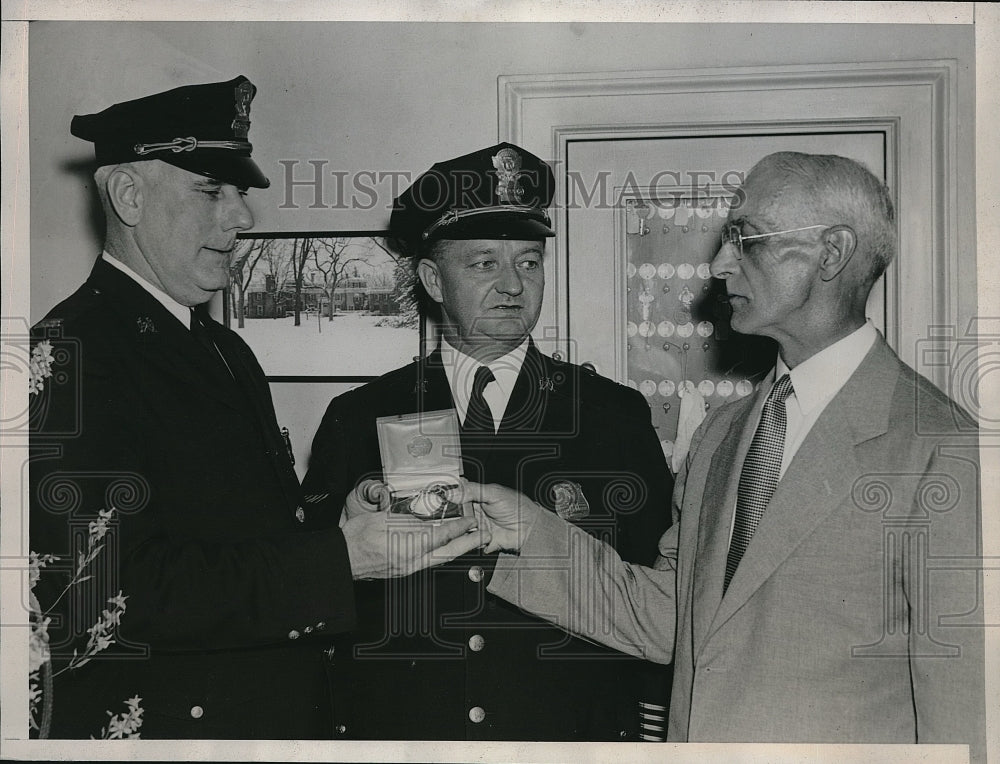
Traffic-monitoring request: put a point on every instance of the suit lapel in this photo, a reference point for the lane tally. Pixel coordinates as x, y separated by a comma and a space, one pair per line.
716, 507
528, 400
819, 478
161, 341
253, 386
431, 391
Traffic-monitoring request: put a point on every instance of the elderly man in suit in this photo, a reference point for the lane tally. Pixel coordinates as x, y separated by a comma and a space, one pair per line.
155, 446
820, 583
436, 656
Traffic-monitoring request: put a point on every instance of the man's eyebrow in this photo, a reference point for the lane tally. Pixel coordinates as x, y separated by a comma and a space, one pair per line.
207, 183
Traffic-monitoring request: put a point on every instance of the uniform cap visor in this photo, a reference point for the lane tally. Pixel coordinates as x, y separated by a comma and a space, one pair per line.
219, 165
495, 225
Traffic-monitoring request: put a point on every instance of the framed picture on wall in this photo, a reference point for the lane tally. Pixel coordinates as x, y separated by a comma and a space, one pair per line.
330, 306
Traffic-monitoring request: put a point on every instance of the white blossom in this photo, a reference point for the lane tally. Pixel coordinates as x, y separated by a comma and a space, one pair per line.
39, 366
126, 724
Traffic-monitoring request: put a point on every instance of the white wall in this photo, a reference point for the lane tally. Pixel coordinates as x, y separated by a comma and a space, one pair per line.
386, 97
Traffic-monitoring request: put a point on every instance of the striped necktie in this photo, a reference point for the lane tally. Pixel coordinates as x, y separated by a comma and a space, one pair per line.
759, 477
479, 416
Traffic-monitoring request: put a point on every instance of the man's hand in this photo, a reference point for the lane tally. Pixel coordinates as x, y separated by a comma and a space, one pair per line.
367, 496
385, 545
509, 515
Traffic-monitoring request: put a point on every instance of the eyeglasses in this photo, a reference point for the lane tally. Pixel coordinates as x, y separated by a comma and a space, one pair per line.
731, 234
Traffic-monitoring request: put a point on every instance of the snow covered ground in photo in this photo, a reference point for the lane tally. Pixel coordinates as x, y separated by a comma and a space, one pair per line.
349, 345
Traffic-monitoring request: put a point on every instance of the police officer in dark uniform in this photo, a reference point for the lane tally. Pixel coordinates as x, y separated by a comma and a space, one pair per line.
434, 655
157, 412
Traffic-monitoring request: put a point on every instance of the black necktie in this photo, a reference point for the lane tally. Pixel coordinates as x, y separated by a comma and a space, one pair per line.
479, 416
200, 333
759, 477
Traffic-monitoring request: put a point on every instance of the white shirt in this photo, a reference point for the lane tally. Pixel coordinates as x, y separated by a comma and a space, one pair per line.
815, 382
181, 312
461, 371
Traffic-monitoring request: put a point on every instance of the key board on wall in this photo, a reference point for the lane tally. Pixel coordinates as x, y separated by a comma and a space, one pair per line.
678, 337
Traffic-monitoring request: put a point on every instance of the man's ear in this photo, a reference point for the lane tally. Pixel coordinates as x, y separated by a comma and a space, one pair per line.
125, 194
840, 243
430, 277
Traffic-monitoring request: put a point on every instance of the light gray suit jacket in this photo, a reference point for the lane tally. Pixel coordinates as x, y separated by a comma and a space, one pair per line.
854, 615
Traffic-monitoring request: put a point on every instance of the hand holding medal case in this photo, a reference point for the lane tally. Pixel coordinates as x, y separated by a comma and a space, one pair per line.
421, 460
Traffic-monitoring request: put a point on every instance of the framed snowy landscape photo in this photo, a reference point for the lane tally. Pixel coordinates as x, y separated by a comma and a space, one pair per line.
323, 306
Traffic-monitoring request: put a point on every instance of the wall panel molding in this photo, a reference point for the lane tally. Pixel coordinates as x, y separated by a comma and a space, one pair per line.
913, 102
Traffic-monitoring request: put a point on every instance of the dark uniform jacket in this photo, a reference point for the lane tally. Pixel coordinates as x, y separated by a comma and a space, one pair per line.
230, 603
437, 657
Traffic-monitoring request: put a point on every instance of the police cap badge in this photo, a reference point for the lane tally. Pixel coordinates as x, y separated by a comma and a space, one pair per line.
500, 192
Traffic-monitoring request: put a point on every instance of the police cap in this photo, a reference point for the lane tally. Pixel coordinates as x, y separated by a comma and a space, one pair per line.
501, 192
199, 128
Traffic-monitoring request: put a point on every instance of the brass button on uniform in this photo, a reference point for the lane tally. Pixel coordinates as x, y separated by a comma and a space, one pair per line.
197, 712
293, 634
476, 573
477, 714
476, 642
341, 729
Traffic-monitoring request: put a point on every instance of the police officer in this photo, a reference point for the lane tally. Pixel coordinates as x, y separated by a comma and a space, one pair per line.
157, 412
435, 656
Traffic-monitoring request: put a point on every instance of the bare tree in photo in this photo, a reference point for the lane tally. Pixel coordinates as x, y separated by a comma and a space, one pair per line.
330, 259
378, 241
245, 259
277, 262
381, 277
302, 248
